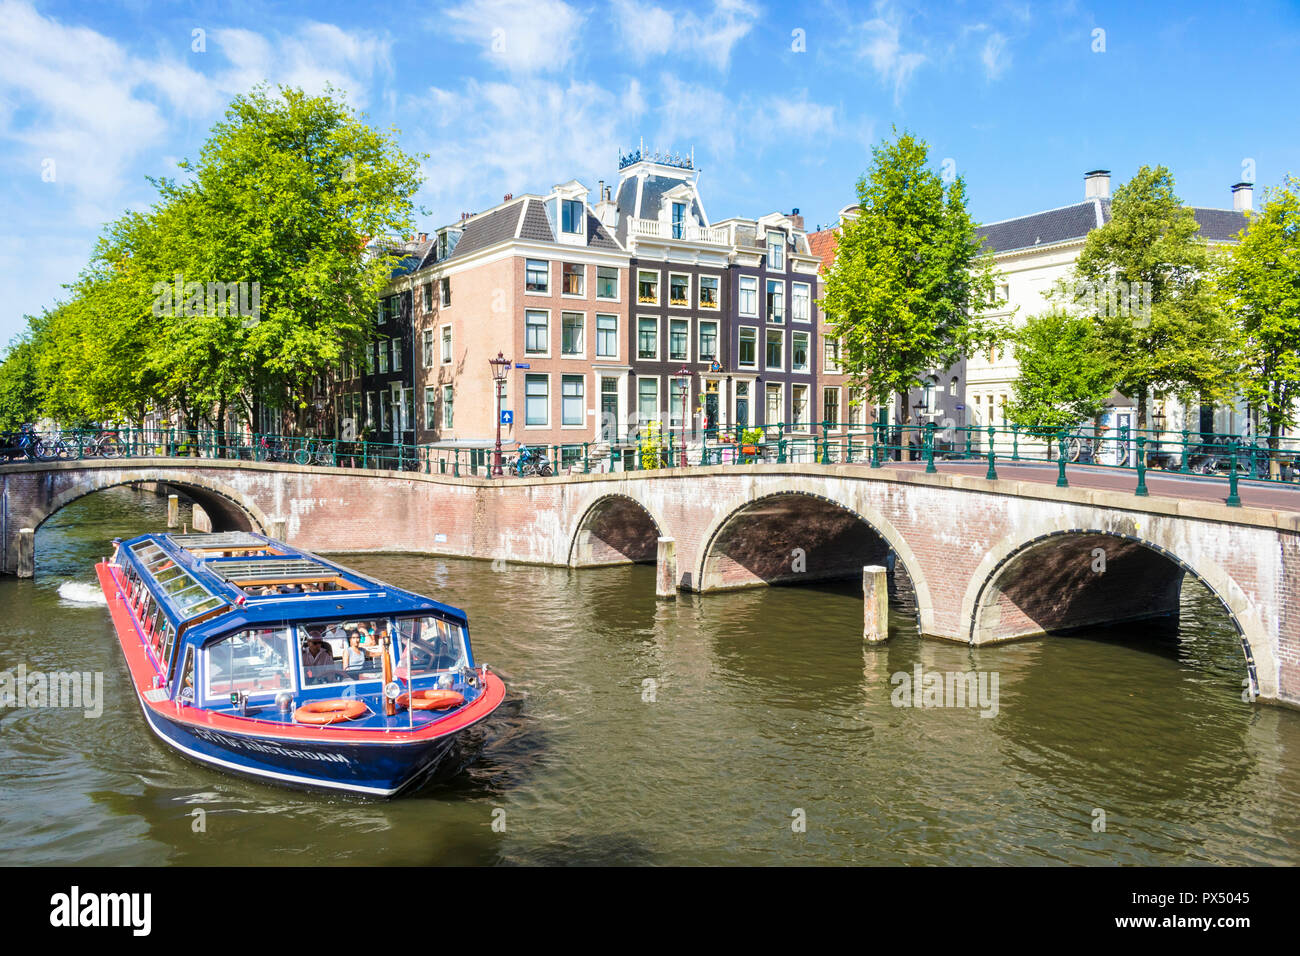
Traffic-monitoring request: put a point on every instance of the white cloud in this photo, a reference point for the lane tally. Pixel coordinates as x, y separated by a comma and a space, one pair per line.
881, 45
522, 36
995, 57
649, 31
490, 138
316, 56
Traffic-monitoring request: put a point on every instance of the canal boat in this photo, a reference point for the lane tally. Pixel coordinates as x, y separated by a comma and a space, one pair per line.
261, 659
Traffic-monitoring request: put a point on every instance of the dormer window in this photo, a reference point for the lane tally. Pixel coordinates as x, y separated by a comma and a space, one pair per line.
571, 218
679, 219
775, 250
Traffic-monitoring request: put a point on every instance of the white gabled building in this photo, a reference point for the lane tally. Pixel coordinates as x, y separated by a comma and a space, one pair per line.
1036, 252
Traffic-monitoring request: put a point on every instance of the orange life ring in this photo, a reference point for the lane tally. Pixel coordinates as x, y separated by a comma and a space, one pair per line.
432, 699
329, 711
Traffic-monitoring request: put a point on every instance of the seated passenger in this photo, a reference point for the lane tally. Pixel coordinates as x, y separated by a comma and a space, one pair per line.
354, 658
317, 661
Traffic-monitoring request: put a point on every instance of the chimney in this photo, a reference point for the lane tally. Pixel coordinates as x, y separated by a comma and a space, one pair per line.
1243, 196
424, 237
508, 197
797, 219
1096, 184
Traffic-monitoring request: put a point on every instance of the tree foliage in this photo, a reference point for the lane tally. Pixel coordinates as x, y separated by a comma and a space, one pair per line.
909, 283
1064, 376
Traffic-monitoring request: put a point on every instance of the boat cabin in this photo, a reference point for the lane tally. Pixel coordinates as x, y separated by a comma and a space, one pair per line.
235, 623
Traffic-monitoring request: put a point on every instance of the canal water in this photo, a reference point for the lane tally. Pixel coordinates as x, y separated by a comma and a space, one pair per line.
744, 728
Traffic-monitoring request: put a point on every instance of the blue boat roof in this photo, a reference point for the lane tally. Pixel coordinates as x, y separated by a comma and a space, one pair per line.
193, 576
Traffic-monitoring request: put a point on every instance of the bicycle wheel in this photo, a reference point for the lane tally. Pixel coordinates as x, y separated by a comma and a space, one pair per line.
1073, 448
110, 447
302, 456
546, 471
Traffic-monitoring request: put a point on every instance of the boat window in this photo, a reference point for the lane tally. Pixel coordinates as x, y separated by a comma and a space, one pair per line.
342, 651
255, 661
168, 641
186, 692
428, 645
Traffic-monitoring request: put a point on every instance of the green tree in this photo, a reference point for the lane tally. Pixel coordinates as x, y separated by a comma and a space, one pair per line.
909, 284
1064, 378
1260, 287
20, 392
285, 194
1166, 335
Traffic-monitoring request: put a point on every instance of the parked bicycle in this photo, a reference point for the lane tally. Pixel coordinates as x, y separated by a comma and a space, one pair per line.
24, 444
529, 463
318, 452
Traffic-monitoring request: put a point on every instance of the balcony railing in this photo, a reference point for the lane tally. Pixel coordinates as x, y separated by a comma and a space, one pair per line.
688, 232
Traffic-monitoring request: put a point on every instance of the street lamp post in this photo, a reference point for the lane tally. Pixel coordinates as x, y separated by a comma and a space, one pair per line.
500, 366
684, 373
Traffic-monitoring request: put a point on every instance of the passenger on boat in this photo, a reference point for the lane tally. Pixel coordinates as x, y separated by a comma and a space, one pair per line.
354, 658
318, 661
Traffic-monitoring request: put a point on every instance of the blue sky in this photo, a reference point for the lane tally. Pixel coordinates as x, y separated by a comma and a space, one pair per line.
781, 102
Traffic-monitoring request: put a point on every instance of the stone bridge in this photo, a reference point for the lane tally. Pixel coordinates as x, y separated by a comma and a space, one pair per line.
987, 560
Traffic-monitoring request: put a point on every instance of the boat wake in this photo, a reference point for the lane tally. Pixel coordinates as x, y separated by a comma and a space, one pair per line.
78, 592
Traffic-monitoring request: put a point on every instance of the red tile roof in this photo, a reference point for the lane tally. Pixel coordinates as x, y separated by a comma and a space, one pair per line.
823, 245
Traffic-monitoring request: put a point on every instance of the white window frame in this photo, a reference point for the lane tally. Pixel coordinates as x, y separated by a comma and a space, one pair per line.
839, 406
430, 408
582, 416
658, 336
448, 349
547, 291
604, 298
795, 424
641, 422
547, 377
443, 403
689, 286
582, 325
754, 312
767, 334
794, 301
756, 363
717, 290
583, 273
687, 357
426, 348
807, 337
767, 290
527, 352
596, 345
699, 344
780, 403
779, 265
659, 279
830, 346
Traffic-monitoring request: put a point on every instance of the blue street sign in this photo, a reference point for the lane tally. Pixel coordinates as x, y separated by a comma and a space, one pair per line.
507, 417
522, 365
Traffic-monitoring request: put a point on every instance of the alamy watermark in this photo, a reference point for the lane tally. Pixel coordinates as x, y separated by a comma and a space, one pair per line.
946, 689
1110, 299
209, 300
61, 689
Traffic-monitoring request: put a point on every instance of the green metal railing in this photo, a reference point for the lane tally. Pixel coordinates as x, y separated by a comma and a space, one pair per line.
1214, 456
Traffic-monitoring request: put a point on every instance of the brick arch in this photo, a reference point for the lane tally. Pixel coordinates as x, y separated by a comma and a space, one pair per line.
220, 500
861, 513
1000, 564
606, 532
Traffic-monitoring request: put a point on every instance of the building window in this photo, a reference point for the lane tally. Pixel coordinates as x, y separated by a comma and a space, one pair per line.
748, 295
708, 341
444, 290
535, 332
773, 405
775, 345
446, 345
575, 279
708, 292
775, 300
679, 219
430, 407
426, 348
647, 400
396, 346
607, 336
571, 333
370, 357
679, 289
678, 340
647, 338
647, 287
370, 408
830, 354
571, 217
537, 275
606, 282
831, 405
800, 295
799, 352
776, 251
799, 406
572, 400
537, 400
857, 407
748, 357
426, 295
447, 395
381, 349
952, 386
